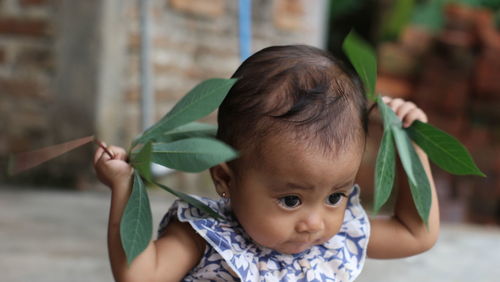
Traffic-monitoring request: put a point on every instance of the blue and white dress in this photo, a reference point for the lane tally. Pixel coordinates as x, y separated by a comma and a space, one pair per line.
230, 255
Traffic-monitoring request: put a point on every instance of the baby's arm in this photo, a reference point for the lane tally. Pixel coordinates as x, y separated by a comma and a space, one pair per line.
405, 234
170, 257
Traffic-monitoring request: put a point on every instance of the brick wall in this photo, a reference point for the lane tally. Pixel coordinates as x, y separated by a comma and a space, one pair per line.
26, 71
70, 68
197, 39
48, 54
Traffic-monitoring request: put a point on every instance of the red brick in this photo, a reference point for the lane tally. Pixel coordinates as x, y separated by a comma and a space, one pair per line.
416, 40
40, 58
2, 56
289, 14
205, 8
478, 138
429, 83
134, 42
34, 2
460, 13
394, 87
486, 29
454, 125
132, 95
395, 60
169, 95
22, 88
455, 95
443, 88
460, 26
24, 27
487, 74
168, 69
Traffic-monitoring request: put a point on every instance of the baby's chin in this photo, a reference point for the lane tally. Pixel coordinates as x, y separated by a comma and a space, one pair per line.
290, 246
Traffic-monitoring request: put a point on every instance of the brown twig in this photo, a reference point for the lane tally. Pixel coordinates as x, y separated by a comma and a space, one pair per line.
25, 160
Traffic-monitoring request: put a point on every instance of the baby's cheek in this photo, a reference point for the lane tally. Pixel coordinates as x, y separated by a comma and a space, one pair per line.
334, 222
270, 232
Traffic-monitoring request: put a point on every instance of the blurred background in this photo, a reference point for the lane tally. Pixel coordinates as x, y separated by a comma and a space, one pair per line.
69, 69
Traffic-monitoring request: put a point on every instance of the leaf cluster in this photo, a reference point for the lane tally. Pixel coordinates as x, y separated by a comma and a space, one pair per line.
176, 141
442, 149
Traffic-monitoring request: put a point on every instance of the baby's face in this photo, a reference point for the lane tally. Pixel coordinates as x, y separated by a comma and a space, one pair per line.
293, 197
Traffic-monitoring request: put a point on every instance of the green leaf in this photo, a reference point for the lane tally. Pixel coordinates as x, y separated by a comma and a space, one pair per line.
142, 161
193, 154
190, 130
418, 179
136, 227
364, 61
443, 149
390, 118
193, 201
203, 99
384, 170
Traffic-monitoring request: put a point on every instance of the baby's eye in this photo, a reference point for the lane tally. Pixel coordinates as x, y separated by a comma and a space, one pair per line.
335, 198
290, 201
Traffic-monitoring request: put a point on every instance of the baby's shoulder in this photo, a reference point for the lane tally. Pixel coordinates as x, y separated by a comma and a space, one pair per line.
178, 249
183, 233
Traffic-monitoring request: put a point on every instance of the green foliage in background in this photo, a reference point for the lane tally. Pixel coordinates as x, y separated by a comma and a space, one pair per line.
342, 7
427, 14
398, 17
442, 149
490, 4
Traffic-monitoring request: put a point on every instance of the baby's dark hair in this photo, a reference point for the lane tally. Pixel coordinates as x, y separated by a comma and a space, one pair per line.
294, 88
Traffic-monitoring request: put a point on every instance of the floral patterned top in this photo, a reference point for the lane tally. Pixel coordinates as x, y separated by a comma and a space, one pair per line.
230, 255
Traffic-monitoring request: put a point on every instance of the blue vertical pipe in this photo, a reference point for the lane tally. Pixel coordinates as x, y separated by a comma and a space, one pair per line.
245, 28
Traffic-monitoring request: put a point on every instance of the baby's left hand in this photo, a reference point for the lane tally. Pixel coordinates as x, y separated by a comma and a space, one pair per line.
407, 111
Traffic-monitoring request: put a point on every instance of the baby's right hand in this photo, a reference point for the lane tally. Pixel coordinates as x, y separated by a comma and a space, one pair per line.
113, 170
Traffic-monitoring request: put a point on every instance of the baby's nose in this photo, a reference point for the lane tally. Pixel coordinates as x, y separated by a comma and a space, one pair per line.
312, 223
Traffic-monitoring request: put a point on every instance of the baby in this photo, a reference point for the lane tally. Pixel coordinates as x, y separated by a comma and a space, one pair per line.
290, 207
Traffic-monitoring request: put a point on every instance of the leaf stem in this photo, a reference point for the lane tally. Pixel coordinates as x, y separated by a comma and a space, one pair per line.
104, 147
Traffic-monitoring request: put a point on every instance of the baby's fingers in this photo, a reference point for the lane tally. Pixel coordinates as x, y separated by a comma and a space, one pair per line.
413, 115
105, 153
118, 153
100, 154
395, 104
406, 111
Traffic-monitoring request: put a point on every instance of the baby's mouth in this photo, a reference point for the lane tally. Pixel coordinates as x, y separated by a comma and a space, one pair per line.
308, 240
306, 243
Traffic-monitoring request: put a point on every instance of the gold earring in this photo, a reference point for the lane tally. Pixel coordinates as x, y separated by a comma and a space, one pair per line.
223, 194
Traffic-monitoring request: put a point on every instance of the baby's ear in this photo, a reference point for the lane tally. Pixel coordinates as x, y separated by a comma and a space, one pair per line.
223, 177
